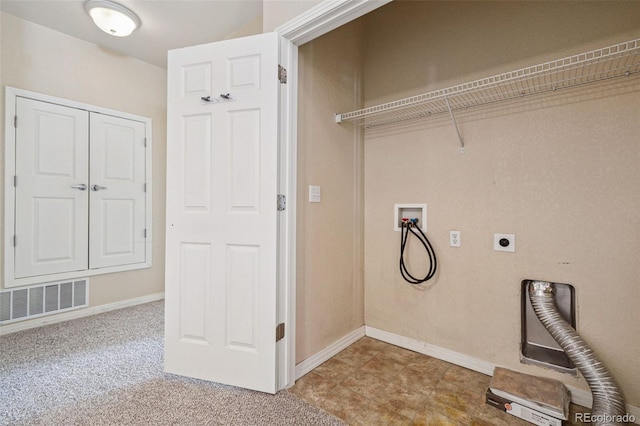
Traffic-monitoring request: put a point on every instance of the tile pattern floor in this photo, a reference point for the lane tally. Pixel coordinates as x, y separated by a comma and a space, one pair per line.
375, 383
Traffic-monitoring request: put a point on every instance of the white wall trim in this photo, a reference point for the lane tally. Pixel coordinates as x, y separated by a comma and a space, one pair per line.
578, 396
80, 313
325, 354
448, 355
287, 183
324, 17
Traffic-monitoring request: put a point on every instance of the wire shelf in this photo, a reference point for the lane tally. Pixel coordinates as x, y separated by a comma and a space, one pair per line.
619, 60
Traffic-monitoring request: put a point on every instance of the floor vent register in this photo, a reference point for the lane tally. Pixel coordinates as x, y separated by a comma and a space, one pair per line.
44, 299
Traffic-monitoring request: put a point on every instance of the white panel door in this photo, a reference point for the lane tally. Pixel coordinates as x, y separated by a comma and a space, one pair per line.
52, 188
117, 188
221, 253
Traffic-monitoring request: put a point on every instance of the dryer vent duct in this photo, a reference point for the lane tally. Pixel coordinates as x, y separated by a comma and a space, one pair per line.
608, 402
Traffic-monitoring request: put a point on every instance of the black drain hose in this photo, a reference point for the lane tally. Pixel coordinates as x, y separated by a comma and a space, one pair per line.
608, 403
408, 226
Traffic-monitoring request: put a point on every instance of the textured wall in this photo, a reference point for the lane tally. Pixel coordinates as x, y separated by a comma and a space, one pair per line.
42, 60
329, 246
277, 12
559, 171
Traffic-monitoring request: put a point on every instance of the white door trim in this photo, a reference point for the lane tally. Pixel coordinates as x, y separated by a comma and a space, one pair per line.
287, 219
326, 16
309, 25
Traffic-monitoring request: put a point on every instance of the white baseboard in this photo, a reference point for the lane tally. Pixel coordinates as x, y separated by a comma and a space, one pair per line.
80, 313
325, 354
578, 396
453, 357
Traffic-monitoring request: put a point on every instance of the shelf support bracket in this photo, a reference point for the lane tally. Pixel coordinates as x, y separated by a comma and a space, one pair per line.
455, 123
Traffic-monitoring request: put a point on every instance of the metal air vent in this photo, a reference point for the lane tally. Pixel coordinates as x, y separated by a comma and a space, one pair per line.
44, 299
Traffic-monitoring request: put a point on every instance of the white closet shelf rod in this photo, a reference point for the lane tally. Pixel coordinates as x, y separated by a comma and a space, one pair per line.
621, 59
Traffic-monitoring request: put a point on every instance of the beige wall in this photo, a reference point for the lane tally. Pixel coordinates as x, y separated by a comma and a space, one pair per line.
250, 28
419, 43
559, 171
330, 251
42, 60
277, 12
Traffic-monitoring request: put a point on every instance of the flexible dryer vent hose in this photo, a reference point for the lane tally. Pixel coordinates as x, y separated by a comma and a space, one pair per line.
608, 402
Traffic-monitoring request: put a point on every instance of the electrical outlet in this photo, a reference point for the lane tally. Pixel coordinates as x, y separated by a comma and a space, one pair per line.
314, 194
504, 242
454, 238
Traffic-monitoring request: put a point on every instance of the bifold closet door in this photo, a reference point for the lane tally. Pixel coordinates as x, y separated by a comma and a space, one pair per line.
51, 220
117, 191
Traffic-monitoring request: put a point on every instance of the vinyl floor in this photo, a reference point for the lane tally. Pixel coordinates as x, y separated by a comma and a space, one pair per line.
375, 383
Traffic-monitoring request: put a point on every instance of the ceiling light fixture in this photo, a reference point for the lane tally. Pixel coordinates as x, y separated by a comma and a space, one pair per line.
112, 18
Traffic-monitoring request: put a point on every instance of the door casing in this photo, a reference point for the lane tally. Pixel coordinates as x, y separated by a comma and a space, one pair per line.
311, 24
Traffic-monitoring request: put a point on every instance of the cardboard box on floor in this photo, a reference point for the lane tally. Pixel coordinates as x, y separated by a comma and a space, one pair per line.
535, 399
521, 411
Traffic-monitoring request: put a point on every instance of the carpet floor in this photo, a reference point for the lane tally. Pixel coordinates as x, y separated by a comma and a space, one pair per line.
107, 370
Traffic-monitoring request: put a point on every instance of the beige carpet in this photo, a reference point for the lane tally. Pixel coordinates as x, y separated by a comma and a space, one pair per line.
107, 370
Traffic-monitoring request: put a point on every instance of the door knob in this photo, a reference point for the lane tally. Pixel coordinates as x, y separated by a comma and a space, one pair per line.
80, 186
97, 187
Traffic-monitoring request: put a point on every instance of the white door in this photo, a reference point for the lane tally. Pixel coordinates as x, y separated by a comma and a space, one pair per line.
222, 173
52, 181
117, 187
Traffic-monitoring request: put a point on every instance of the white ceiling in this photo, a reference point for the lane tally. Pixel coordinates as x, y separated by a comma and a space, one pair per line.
166, 24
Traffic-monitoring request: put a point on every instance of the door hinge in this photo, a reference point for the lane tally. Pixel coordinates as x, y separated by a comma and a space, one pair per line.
280, 332
15, 121
282, 202
145, 232
14, 240
145, 187
145, 142
15, 181
282, 74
